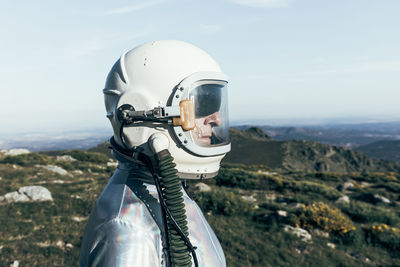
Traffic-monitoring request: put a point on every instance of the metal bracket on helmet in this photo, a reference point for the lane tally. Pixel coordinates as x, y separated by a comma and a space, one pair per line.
182, 115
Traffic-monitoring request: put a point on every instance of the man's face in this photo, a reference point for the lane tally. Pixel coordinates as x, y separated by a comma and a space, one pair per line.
203, 131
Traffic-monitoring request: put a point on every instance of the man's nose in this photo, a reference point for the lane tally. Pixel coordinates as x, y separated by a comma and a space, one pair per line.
214, 118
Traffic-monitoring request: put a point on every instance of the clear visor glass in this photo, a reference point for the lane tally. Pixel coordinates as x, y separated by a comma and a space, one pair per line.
211, 112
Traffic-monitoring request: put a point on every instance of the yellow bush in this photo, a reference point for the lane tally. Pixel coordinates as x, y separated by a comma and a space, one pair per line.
320, 215
384, 228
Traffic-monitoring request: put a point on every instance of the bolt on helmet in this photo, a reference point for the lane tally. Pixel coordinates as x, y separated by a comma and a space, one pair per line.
174, 88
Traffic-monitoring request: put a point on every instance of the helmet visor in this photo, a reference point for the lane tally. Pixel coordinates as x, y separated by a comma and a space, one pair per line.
211, 114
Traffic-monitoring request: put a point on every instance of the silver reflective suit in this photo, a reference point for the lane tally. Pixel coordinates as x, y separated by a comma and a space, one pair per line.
126, 228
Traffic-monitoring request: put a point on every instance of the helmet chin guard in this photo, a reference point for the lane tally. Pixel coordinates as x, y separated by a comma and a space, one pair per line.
177, 90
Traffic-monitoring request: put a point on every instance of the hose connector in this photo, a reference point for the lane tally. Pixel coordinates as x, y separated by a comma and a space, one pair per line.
158, 142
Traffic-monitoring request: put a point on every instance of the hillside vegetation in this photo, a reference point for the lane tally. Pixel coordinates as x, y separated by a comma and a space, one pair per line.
253, 146
263, 215
389, 150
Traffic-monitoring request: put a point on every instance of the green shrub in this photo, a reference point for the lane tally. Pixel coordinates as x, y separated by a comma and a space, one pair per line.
390, 186
92, 157
383, 235
236, 178
223, 202
306, 186
26, 159
365, 213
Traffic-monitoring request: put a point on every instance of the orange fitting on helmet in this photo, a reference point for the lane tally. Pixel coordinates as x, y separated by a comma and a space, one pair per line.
186, 119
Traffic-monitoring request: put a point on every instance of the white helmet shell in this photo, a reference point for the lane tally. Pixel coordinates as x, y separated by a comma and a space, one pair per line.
148, 76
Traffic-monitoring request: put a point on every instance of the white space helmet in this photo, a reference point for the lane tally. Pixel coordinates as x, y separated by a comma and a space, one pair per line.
173, 88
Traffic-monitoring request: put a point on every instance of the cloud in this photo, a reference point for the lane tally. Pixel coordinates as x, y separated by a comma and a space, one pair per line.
132, 8
263, 3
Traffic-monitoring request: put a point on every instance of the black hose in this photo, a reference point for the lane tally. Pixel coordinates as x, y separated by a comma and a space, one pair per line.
171, 199
178, 250
179, 243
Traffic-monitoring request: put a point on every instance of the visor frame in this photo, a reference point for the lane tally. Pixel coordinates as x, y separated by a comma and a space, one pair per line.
182, 93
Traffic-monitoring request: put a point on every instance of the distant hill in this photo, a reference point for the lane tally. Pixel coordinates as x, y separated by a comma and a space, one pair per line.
103, 148
252, 146
389, 150
351, 136
255, 147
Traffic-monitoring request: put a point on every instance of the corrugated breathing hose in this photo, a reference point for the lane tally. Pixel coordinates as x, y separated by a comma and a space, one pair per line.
172, 203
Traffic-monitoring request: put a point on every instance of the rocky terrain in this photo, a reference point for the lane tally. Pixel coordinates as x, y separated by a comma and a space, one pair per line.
271, 214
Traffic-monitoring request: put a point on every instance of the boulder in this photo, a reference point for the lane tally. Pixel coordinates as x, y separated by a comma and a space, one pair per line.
382, 199
56, 169
320, 233
343, 199
202, 187
15, 197
36, 193
112, 164
249, 198
28, 194
282, 213
348, 185
299, 232
331, 245
270, 197
65, 158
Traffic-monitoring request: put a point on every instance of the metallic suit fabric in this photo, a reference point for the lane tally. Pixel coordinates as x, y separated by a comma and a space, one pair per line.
125, 227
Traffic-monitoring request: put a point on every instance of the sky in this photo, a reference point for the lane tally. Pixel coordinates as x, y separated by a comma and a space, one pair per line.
304, 60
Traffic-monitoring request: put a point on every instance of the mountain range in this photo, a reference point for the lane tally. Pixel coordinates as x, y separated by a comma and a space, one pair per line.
254, 146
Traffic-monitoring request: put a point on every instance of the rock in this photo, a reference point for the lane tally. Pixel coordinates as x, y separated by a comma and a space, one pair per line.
15, 152
299, 232
382, 199
79, 219
202, 187
56, 169
69, 245
36, 193
58, 182
2, 198
1, 178
365, 184
15, 197
343, 199
331, 245
112, 164
282, 213
28, 193
78, 172
348, 185
267, 172
321, 233
14, 264
60, 244
65, 158
295, 205
271, 197
249, 198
